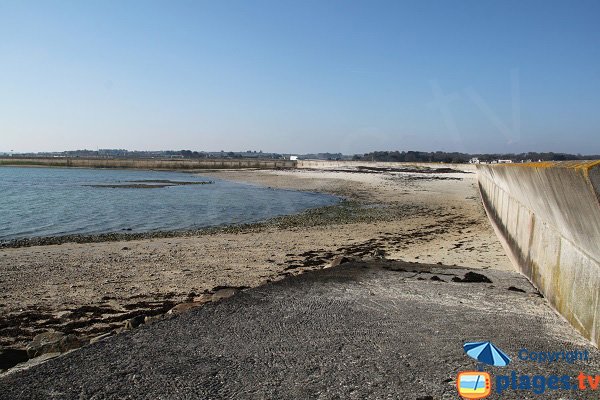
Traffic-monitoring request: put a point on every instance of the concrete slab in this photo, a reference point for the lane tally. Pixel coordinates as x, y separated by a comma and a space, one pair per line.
357, 331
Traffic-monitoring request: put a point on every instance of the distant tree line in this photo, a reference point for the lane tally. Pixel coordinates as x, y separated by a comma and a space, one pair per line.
187, 154
414, 156
398, 156
322, 156
222, 154
455, 157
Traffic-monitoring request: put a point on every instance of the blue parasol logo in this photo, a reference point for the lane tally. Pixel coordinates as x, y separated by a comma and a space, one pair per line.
487, 353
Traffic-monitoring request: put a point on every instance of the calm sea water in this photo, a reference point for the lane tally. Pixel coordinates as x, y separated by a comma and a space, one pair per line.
56, 201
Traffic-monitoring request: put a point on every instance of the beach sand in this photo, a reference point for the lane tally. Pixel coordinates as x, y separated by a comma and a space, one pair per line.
92, 288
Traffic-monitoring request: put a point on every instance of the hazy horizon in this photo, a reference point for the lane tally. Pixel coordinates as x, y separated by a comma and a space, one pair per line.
300, 77
298, 153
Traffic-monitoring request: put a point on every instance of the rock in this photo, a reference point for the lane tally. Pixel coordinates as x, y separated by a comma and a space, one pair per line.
46, 342
71, 342
52, 342
223, 294
100, 337
472, 277
379, 254
203, 298
134, 322
11, 357
183, 307
152, 319
338, 260
217, 288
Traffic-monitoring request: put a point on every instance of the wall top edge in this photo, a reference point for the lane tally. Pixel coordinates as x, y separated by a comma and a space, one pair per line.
586, 165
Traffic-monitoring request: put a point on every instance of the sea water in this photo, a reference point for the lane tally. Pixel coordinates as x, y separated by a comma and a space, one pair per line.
38, 202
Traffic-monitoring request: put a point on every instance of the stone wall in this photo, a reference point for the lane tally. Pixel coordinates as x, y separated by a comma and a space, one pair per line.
147, 163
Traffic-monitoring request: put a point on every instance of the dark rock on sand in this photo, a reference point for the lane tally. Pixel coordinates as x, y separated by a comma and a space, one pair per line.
379, 254
472, 277
134, 322
338, 260
515, 289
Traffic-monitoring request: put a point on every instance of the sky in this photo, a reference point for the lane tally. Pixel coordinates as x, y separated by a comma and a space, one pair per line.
300, 76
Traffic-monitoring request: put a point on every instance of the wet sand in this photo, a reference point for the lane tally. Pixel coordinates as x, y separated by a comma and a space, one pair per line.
88, 289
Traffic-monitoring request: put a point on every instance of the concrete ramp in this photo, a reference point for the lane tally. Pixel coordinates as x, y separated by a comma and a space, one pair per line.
548, 217
377, 330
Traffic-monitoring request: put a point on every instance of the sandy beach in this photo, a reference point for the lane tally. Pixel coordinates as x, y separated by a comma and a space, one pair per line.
89, 289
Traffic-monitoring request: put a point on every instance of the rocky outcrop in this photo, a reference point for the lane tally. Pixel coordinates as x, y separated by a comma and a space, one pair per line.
52, 342
134, 322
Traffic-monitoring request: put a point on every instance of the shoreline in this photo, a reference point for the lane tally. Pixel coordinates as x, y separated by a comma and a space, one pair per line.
119, 236
287, 220
96, 288
345, 197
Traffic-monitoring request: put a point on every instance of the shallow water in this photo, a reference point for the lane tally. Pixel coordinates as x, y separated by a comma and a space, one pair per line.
58, 201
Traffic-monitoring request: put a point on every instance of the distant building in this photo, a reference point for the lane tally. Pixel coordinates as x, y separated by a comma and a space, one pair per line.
293, 158
474, 160
504, 161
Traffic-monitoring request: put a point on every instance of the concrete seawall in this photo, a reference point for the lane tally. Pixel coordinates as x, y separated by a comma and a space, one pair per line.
548, 218
148, 163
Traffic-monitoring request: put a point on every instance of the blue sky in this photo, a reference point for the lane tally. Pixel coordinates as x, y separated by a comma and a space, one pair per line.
300, 76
